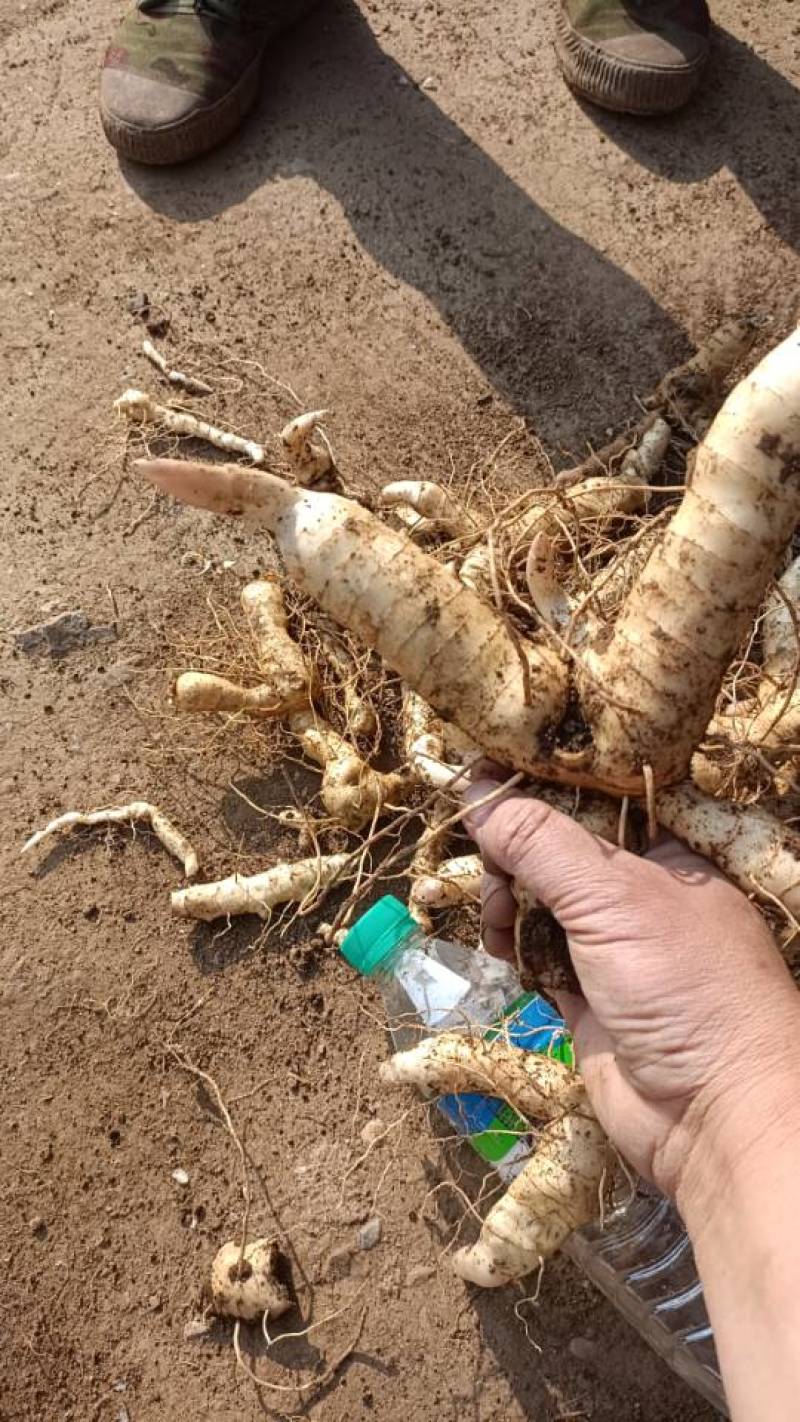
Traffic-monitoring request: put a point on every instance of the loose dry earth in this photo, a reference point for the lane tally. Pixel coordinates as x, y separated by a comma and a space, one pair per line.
422, 230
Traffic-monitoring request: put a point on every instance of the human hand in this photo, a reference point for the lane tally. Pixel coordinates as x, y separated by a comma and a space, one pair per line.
687, 1007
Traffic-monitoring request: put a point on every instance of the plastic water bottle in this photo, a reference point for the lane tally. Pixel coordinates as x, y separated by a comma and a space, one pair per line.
641, 1257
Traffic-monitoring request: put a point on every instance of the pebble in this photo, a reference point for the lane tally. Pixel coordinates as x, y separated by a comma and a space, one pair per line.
338, 1263
37, 1226
180, 1176
370, 1233
62, 634
196, 1328
120, 673
583, 1349
419, 1274
372, 1130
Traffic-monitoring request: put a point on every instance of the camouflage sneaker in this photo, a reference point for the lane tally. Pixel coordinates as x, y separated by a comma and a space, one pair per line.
180, 75
634, 56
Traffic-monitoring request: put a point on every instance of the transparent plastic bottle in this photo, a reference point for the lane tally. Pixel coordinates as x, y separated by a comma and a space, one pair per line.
640, 1257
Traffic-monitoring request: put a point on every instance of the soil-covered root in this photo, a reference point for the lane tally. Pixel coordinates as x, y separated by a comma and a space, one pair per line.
140, 408
754, 848
352, 792
436, 509
259, 893
245, 1283
702, 585
454, 881
457, 653
310, 463
138, 812
558, 1190
190, 383
540, 1088
692, 391
205, 692
287, 682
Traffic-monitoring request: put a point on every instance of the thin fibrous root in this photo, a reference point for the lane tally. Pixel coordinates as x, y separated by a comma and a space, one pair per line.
189, 383
454, 881
138, 812
558, 1189
352, 792
754, 848
308, 462
258, 893
358, 714
438, 509
141, 408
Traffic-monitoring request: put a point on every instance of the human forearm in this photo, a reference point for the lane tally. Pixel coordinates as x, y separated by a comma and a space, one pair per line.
740, 1198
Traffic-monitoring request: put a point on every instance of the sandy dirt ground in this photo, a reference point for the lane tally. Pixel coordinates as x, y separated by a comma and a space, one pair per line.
422, 230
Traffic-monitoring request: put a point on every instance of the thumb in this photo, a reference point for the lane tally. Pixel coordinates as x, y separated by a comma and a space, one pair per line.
558, 861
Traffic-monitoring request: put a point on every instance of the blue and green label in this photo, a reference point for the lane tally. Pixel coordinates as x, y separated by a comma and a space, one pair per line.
494, 1128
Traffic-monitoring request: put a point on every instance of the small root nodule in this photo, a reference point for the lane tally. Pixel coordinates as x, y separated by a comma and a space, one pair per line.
244, 1281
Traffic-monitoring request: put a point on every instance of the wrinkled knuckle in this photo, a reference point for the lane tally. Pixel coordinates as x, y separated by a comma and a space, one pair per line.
515, 830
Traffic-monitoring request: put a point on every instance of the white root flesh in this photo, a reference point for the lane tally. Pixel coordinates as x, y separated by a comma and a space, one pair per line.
352, 792
424, 742
281, 663
194, 692
550, 602
780, 629
440, 510
138, 812
245, 1284
643, 462
141, 408
455, 881
427, 857
754, 848
189, 383
308, 462
703, 583
558, 1189
258, 893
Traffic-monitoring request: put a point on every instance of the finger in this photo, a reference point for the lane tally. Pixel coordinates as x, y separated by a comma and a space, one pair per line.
552, 856
499, 943
498, 905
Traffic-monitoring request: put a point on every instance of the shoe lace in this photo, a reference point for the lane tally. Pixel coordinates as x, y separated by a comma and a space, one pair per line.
230, 12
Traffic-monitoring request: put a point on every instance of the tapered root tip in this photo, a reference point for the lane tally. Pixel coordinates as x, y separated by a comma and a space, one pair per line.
476, 1266
220, 488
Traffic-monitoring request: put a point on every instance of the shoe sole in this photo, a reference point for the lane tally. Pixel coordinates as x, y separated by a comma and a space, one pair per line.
192, 136
619, 86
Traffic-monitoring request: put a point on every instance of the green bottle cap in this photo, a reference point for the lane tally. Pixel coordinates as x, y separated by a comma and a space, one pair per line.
376, 934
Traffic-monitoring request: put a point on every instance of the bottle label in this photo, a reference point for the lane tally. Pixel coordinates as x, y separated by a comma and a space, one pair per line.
497, 1133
